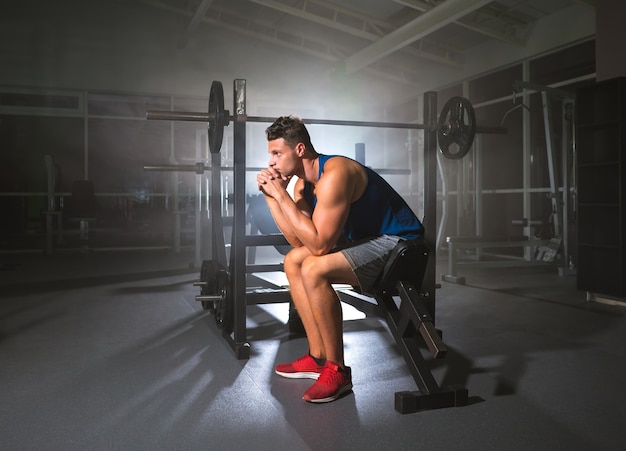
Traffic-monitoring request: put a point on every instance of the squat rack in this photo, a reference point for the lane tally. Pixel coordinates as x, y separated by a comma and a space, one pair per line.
224, 287
225, 291
229, 299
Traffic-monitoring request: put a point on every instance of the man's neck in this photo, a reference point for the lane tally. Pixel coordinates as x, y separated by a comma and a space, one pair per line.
311, 167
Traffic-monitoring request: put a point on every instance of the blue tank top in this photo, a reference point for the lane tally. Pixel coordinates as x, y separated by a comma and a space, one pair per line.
379, 211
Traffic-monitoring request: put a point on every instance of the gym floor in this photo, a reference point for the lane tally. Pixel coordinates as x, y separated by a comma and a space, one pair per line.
107, 351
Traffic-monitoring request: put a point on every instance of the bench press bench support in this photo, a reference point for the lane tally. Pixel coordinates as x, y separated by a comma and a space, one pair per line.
401, 301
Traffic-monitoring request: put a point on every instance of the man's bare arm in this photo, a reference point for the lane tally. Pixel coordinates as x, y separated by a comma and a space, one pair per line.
335, 192
283, 224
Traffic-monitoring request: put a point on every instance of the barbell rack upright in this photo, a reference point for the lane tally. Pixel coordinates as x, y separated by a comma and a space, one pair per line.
238, 337
430, 199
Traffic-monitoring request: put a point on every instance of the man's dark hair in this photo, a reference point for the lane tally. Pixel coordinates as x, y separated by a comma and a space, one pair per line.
292, 130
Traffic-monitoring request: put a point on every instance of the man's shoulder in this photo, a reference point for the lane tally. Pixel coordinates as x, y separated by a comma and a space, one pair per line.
343, 177
340, 163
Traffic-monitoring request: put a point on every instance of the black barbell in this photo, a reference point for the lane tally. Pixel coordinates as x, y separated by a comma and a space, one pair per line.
455, 129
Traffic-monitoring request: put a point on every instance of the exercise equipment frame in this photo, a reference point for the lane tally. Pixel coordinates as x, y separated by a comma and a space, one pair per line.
455, 128
226, 294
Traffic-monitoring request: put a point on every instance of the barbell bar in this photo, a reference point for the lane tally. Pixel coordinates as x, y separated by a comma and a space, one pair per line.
199, 168
208, 117
451, 128
205, 117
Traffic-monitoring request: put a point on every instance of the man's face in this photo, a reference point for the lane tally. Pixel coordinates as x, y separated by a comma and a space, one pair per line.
283, 158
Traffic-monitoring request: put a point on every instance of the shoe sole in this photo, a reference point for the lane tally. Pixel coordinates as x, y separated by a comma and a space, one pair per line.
337, 395
299, 375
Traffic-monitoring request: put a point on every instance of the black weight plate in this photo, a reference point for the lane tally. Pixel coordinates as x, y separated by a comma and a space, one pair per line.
208, 275
224, 308
456, 128
216, 116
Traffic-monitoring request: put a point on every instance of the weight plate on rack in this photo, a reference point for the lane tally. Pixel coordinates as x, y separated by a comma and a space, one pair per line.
218, 118
456, 128
223, 309
208, 277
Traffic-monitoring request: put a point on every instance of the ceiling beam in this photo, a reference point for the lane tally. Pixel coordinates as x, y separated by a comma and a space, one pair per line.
194, 22
379, 27
310, 46
301, 12
436, 18
586, 2
422, 6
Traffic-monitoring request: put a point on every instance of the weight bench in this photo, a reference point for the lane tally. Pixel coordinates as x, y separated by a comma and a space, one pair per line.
400, 301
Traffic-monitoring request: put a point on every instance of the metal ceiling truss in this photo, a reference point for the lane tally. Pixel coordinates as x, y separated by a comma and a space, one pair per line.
267, 32
591, 3
195, 21
412, 31
476, 21
406, 41
363, 26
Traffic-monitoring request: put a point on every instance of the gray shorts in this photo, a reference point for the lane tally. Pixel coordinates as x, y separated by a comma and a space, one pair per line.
367, 259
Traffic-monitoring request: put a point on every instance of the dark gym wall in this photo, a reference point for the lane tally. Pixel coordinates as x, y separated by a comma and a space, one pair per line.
610, 38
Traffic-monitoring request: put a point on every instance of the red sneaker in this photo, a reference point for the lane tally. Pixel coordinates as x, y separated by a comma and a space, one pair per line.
332, 383
303, 368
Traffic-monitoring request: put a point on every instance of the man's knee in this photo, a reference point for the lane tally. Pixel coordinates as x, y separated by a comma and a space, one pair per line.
293, 261
327, 269
313, 270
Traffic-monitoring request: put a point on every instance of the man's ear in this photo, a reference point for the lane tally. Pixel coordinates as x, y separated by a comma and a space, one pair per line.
300, 148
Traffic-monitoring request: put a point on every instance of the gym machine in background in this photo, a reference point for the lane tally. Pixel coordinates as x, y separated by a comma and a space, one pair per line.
406, 295
556, 249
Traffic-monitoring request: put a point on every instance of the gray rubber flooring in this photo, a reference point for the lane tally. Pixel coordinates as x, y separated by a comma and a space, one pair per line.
110, 351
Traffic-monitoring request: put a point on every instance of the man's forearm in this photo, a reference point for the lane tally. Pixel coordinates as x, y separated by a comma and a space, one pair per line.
305, 231
281, 221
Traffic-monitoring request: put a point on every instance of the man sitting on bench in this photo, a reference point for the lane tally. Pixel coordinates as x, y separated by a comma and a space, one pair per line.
342, 222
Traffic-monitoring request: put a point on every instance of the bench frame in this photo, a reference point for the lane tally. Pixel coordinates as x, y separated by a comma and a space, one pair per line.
401, 300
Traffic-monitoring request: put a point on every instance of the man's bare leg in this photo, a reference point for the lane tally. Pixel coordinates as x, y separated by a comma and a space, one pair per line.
293, 270
317, 276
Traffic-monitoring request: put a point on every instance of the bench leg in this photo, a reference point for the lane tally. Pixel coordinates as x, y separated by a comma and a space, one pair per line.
405, 322
411, 401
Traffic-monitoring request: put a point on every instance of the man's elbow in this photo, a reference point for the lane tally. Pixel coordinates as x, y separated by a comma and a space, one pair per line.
321, 250
294, 242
